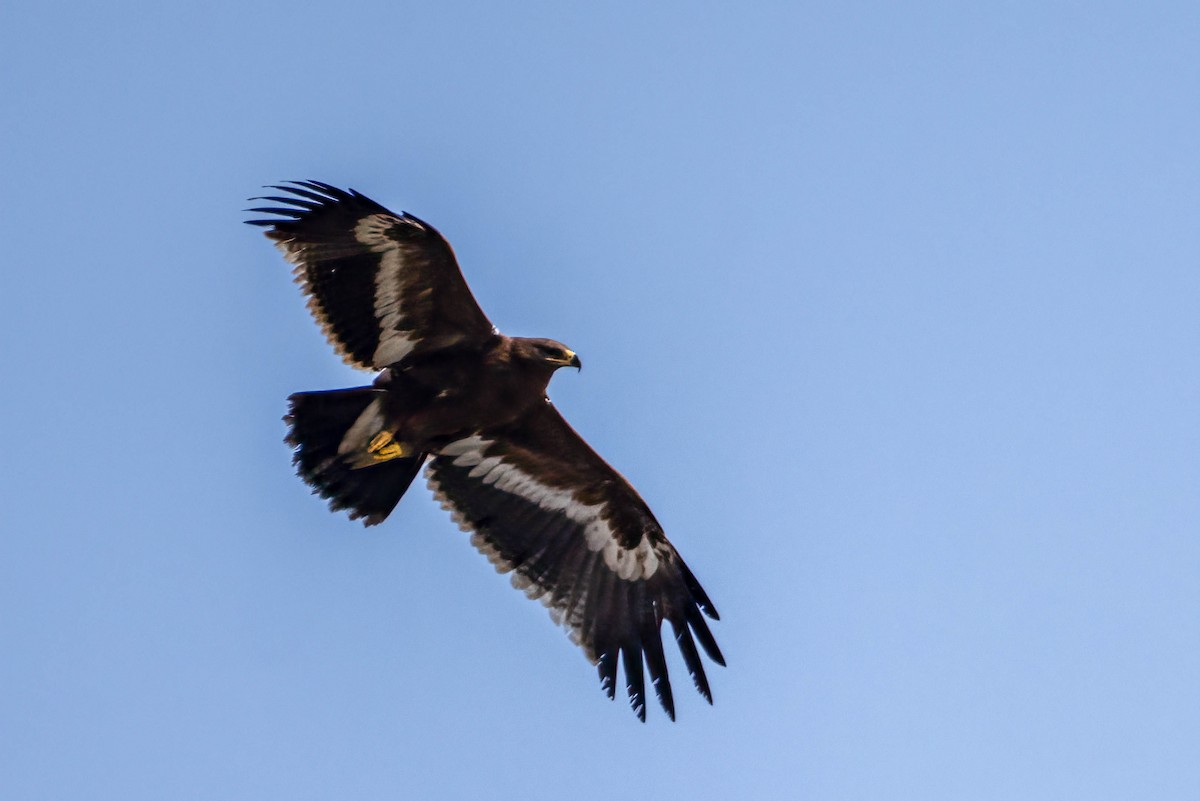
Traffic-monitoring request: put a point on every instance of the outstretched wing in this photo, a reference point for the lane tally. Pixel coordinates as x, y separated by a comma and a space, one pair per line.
381, 285
541, 503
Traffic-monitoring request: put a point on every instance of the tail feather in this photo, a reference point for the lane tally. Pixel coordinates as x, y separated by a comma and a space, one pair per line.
317, 422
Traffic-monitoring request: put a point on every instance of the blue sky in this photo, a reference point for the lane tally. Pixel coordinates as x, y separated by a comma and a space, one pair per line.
890, 311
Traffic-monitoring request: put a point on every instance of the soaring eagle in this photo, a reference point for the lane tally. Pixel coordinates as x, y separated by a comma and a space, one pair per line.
470, 403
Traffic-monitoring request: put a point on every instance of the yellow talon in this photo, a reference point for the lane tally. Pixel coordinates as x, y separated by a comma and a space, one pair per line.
384, 447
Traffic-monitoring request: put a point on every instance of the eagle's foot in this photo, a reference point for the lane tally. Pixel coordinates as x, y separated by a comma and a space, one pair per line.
384, 447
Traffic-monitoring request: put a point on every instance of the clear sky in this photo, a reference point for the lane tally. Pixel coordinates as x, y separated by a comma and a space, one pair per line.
890, 311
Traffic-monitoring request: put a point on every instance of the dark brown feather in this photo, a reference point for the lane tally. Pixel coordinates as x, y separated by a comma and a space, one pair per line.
526, 508
392, 281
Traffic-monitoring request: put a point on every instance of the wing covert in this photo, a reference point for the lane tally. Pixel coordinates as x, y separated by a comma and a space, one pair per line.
381, 285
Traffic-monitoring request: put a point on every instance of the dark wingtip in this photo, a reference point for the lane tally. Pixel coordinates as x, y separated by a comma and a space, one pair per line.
606, 666
302, 198
329, 191
282, 212
698, 593
691, 658
707, 641
635, 680
656, 661
663, 691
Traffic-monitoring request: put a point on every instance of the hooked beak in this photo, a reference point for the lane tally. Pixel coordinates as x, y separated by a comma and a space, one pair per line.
569, 359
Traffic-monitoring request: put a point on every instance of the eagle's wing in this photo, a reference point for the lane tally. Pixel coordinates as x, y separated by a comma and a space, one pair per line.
538, 501
381, 285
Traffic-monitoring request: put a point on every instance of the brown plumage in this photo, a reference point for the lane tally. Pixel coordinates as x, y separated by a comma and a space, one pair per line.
455, 394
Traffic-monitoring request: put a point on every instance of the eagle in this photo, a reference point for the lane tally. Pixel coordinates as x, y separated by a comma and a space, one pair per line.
469, 404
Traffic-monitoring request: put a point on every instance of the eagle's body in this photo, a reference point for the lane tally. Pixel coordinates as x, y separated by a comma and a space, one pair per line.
466, 388
455, 394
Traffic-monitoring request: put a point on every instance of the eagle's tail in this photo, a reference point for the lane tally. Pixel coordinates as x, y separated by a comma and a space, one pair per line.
317, 424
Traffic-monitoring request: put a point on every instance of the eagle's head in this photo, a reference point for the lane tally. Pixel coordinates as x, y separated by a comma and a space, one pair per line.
545, 353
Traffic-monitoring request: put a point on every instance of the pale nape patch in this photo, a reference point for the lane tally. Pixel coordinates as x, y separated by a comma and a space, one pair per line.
639, 562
